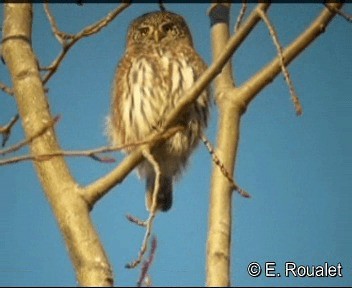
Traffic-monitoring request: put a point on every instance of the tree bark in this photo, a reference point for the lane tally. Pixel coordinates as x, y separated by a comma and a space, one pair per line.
63, 193
232, 102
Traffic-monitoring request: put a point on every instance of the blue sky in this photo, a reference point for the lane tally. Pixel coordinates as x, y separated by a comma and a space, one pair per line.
297, 169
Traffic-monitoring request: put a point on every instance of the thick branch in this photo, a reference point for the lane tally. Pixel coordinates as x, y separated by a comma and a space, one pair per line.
71, 211
232, 102
220, 208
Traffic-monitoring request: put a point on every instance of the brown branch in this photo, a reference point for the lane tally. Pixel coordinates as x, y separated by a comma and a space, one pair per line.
232, 102
284, 69
23, 143
251, 88
93, 192
6, 89
62, 37
241, 15
343, 14
222, 167
71, 211
152, 213
68, 40
5, 131
91, 153
144, 278
161, 6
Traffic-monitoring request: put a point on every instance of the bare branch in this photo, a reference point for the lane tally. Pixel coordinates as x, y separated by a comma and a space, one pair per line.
161, 6
91, 153
6, 89
343, 14
99, 188
5, 131
284, 69
68, 40
86, 251
135, 220
23, 143
144, 278
222, 167
60, 36
250, 89
241, 15
152, 213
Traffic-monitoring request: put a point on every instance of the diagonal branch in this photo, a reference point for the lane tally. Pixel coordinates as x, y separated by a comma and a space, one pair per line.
93, 192
23, 143
5, 131
6, 89
284, 70
68, 40
91, 153
250, 89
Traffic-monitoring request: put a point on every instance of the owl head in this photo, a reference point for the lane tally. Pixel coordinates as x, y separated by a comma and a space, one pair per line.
159, 27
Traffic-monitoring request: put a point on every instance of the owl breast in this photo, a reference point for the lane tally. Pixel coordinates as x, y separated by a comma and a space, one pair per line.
149, 87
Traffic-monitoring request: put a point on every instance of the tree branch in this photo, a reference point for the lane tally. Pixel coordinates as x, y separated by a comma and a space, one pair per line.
91, 153
71, 211
6, 89
251, 88
68, 40
5, 131
220, 207
232, 102
284, 70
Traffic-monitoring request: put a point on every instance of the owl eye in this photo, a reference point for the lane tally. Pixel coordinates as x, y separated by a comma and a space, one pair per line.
144, 31
167, 27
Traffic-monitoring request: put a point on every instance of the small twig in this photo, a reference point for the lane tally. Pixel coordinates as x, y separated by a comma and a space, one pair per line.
135, 220
152, 213
287, 76
223, 170
68, 40
23, 143
6, 89
5, 131
339, 11
241, 15
161, 6
92, 153
62, 37
144, 277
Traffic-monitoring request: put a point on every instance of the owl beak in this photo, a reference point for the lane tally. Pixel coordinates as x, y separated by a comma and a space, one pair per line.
157, 36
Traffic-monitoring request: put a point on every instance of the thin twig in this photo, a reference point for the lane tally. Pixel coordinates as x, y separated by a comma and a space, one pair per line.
152, 213
6, 89
68, 40
5, 131
223, 169
62, 37
287, 76
161, 6
23, 143
144, 277
136, 221
91, 153
241, 15
339, 11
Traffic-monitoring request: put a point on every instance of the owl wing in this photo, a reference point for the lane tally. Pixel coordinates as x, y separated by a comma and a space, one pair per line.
117, 127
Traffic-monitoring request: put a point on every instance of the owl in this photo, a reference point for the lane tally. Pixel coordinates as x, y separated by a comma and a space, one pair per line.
159, 65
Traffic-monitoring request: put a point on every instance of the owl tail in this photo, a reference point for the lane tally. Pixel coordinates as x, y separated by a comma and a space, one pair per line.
164, 200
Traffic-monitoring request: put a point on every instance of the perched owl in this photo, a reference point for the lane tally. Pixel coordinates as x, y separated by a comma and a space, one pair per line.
158, 66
